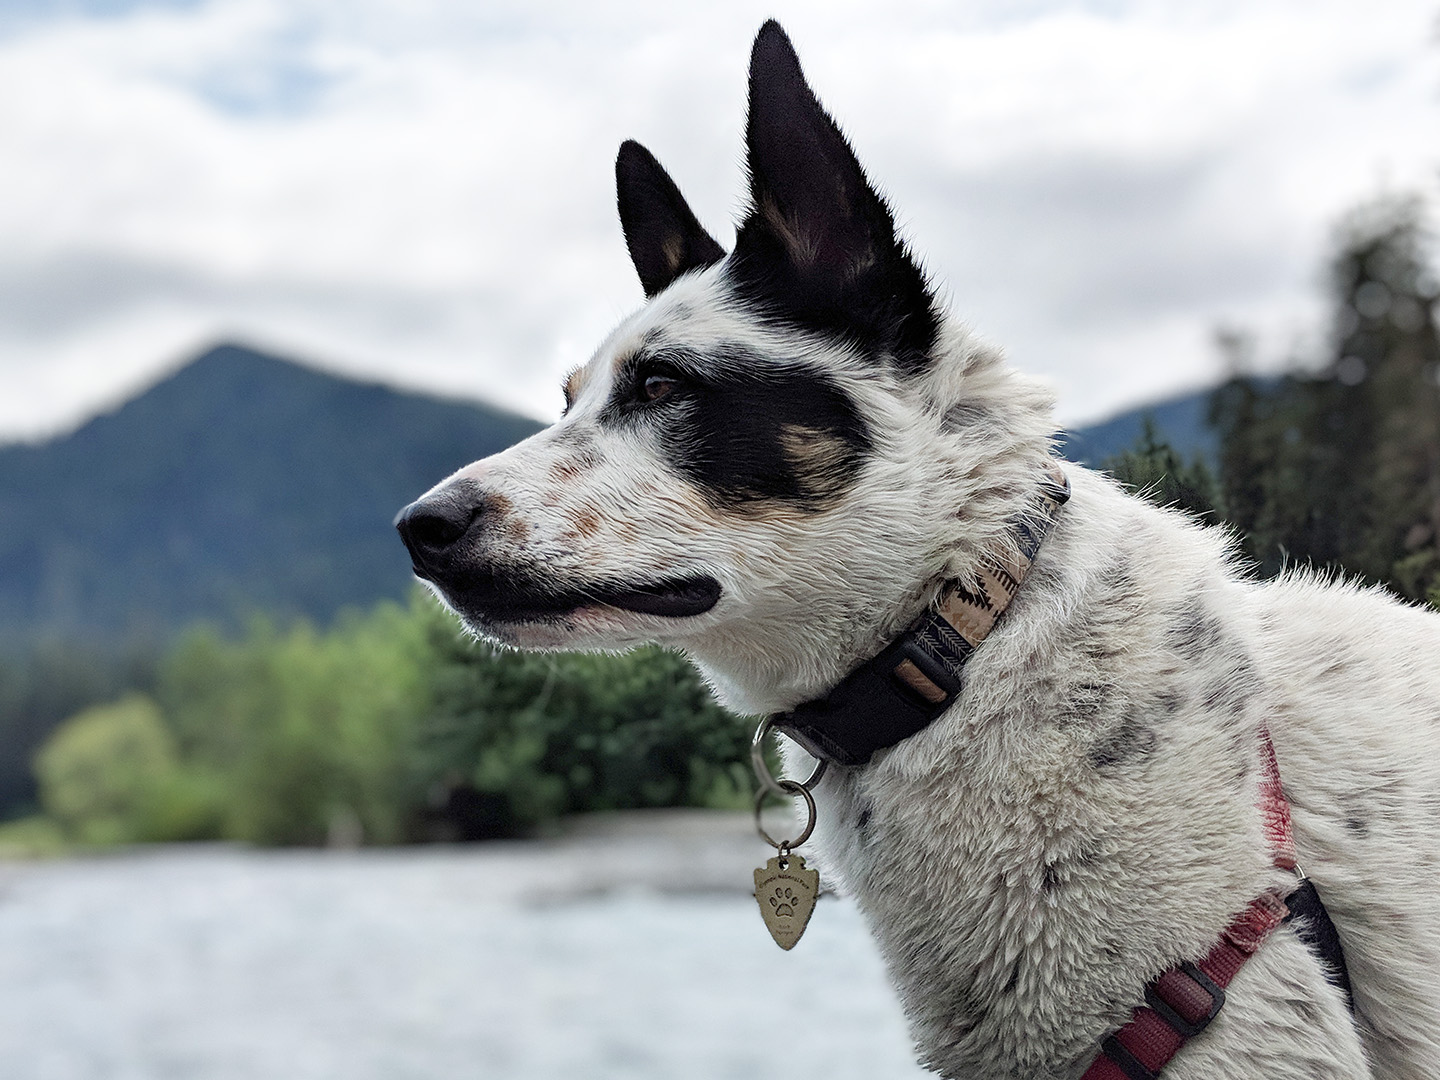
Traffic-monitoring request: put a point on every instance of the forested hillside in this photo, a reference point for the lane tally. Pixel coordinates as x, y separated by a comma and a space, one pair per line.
242, 483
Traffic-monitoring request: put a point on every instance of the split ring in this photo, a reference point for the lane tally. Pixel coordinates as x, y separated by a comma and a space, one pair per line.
789, 787
768, 783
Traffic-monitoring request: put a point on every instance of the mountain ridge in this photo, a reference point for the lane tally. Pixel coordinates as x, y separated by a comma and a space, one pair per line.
241, 482
1181, 419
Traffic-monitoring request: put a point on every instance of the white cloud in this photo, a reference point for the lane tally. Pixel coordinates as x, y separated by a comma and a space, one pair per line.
422, 191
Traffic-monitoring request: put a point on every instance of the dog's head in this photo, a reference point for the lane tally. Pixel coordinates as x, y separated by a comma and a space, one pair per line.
773, 463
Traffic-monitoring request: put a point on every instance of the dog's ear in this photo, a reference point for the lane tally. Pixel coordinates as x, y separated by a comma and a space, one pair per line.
664, 237
818, 244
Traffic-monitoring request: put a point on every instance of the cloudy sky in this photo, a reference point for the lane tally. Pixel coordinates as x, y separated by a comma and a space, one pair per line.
420, 191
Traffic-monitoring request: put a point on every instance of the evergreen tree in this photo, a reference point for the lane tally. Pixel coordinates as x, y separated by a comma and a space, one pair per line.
1340, 467
1154, 469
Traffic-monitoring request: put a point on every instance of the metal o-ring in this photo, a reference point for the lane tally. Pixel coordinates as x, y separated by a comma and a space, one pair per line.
762, 770
790, 787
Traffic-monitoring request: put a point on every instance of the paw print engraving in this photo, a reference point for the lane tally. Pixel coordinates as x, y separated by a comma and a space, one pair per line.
783, 901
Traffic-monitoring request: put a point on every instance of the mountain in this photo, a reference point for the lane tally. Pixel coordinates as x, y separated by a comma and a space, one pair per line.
1180, 420
242, 483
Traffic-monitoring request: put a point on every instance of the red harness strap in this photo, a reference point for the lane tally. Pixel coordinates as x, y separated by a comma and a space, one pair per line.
1182, 1001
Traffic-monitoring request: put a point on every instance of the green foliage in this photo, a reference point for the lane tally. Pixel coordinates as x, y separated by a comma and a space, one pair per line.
1340, 467
101, 770
557, 734
1152, 468
48, 681
313, 734
391, 726
36, 836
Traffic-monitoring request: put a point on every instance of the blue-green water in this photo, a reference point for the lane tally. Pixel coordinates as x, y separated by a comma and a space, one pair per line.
630, 953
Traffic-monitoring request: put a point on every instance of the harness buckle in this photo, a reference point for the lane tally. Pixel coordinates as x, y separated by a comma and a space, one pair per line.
1175, 998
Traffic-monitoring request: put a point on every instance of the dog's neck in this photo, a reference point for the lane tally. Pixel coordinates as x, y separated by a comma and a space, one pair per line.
966, 447
767, 665
917, 676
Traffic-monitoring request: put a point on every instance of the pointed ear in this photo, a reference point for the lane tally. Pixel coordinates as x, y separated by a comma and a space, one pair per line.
819, 242
661, 231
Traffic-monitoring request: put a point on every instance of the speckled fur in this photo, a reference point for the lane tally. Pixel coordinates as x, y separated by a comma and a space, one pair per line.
1084, 817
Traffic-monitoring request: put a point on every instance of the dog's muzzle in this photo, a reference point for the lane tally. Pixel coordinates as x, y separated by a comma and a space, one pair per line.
438, 529
445, 534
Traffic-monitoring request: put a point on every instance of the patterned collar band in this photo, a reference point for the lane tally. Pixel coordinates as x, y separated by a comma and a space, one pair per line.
916, 677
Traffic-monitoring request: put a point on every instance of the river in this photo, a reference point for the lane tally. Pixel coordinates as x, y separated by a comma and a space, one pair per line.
626, 948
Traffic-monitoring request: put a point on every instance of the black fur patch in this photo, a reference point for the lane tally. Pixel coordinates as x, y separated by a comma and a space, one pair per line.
1131, 739
664, 237
746, 432
1088, 702
1170, 701
1050, 879
969, 414
1195, 632
818, 247
1014, 980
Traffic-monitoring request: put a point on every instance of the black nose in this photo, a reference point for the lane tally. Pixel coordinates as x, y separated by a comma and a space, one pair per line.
433, 527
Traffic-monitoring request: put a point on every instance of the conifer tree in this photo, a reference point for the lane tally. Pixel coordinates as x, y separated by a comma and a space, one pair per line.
1339, 467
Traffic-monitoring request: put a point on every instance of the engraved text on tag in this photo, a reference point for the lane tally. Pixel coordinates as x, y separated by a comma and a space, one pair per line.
786, 892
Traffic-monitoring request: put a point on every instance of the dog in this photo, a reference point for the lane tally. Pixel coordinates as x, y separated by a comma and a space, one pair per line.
788, 455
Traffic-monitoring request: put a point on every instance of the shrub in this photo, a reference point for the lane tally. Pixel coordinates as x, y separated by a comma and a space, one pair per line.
100, 770
558, 734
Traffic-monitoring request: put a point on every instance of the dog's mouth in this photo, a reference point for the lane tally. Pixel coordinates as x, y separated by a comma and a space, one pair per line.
679, 599
518, 598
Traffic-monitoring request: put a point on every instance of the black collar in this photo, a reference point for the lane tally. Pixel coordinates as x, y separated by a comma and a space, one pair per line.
916, 677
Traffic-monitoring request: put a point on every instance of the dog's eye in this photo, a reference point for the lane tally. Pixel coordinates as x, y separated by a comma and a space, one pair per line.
659, 385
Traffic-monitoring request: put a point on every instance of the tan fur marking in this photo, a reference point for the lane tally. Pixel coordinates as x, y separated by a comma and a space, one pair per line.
567, 469
573, 383
815, 455
673, 248
801, 248
621, 358
587, 522
503, 521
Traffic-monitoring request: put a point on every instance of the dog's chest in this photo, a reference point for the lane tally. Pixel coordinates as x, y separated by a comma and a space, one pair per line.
971, 894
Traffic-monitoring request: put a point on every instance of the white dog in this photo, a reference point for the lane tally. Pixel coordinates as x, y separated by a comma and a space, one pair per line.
790, 455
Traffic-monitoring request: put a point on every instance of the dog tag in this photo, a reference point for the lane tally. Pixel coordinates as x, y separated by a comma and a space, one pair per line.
786, 893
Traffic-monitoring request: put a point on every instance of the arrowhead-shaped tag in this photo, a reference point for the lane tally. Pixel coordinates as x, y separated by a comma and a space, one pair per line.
786, 893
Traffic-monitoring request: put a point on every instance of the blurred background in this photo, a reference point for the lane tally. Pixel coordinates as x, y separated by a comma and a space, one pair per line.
268, 270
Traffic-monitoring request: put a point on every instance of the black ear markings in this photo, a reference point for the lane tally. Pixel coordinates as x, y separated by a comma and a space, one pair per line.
664, 237
806, 186
818, 244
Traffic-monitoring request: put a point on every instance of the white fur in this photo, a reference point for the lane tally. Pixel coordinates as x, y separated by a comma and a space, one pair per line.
1022, 895
1085, 816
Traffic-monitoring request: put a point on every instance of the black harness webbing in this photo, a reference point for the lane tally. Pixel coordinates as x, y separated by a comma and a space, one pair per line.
1318, 931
